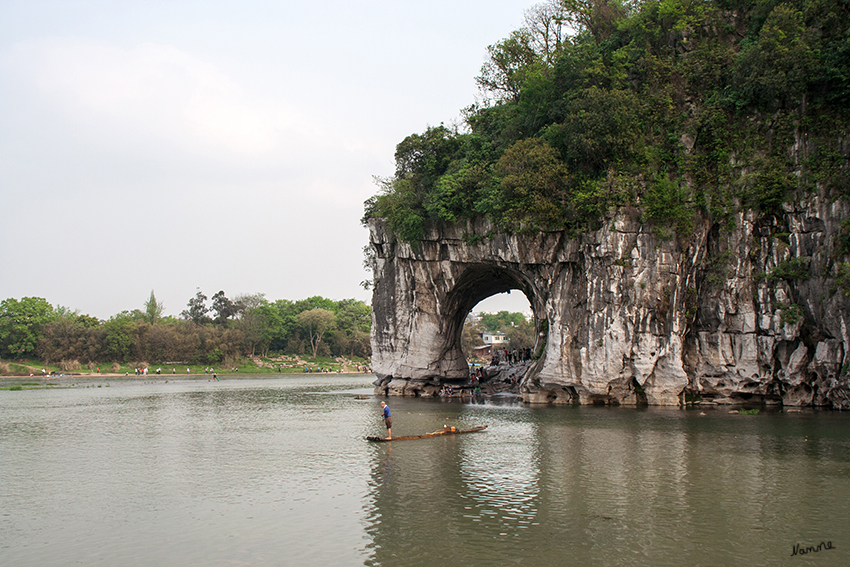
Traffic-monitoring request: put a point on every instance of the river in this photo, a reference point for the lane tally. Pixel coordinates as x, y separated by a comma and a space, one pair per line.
276, 471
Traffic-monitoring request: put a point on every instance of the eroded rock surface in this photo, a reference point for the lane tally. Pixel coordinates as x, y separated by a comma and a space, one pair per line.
757, 313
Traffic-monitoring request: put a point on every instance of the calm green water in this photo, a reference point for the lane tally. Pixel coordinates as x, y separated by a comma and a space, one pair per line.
276, 472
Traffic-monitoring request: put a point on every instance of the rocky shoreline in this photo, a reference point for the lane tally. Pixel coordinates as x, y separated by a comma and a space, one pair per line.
497, 379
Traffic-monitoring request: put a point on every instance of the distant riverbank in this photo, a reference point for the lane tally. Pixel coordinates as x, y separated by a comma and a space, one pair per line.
190, 375
275, 365
164, 375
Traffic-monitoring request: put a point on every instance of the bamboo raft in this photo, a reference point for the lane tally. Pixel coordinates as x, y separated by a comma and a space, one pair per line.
439, 433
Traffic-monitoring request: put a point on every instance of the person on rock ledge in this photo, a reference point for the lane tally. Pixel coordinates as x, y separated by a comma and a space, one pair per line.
388, 420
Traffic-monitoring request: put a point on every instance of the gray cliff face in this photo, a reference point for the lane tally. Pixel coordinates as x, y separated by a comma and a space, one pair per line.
757, 313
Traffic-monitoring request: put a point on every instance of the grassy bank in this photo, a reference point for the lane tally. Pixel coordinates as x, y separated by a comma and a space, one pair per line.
283, 364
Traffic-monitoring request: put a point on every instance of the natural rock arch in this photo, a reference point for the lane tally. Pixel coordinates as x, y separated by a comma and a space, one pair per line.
628, 317
423, 293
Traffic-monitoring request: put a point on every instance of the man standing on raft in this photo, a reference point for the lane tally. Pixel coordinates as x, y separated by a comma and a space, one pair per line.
388, 420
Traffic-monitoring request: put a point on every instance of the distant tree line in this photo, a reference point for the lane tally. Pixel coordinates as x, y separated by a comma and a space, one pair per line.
678, 108
207, 332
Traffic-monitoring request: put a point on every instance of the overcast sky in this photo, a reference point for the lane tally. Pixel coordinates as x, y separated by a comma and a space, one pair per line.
221, 145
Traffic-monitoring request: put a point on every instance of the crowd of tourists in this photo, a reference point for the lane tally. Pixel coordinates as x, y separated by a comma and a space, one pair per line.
504, 356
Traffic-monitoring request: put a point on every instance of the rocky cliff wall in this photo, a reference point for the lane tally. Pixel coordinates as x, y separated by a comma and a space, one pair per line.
755, 313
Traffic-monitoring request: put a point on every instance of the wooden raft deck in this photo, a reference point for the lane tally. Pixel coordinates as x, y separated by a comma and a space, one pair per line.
438, 433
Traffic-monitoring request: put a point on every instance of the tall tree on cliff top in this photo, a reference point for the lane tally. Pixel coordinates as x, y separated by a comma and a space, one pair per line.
599, 17
511, 61
547, 23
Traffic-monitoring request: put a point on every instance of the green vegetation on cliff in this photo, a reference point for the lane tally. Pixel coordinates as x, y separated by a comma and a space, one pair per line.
679, 107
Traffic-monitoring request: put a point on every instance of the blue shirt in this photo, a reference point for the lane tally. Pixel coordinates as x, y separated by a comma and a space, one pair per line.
386, 411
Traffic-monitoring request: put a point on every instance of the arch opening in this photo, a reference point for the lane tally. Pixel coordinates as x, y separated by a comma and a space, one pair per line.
479, 283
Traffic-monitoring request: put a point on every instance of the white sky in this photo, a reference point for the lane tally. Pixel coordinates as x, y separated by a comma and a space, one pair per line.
222, 145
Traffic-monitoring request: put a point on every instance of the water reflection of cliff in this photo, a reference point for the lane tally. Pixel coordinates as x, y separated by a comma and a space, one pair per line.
599, 487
